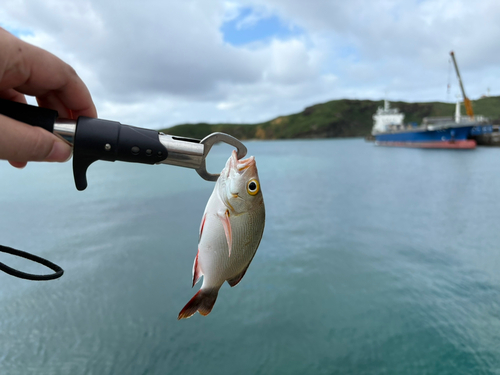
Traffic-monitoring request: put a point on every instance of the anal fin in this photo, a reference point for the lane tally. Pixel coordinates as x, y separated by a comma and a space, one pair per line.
235, 280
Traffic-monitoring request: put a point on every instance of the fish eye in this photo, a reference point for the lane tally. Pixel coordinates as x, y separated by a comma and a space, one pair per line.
253, 187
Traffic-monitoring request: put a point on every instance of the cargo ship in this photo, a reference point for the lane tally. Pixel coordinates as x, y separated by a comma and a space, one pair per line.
434, 132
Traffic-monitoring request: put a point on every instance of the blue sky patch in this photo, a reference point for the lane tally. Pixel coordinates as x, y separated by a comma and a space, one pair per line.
19, 32
248, 27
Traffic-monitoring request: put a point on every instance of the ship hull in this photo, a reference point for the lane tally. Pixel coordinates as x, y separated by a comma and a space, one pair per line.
466, 144
450, 137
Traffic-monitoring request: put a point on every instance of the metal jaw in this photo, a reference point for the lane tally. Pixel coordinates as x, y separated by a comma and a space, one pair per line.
191, 153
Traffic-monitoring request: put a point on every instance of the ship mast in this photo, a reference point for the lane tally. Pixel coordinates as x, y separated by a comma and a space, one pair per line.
467, 103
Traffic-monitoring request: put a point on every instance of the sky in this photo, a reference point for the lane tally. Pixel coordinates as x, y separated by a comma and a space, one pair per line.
158, 63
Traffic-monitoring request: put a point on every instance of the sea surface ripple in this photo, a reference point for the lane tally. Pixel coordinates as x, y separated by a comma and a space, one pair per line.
373, 261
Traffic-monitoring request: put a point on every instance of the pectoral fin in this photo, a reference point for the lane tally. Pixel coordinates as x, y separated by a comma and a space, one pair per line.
224, 218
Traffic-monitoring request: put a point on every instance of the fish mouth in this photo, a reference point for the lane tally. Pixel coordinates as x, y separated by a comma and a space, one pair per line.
245, 164
240, 165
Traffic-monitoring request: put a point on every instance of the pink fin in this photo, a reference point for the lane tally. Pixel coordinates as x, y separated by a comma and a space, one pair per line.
235, 280
202, 225
203, 302
224, 218
196, 270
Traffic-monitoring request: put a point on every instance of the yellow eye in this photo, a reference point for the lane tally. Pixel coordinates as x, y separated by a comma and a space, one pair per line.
253, 187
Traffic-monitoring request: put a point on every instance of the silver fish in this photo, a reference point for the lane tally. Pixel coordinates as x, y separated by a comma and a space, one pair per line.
230, 233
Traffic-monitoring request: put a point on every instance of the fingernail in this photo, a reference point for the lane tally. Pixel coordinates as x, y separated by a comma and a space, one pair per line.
18, 164
61, 152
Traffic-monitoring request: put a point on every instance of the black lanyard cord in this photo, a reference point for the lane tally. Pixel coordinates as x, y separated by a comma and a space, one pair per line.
58, 271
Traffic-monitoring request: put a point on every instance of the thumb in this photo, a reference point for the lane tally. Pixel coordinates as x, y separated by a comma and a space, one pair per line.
20, 143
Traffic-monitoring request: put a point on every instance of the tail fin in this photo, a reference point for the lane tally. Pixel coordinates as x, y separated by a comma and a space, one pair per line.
203, 302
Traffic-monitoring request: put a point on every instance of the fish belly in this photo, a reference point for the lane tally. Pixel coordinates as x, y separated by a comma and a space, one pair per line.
214, 259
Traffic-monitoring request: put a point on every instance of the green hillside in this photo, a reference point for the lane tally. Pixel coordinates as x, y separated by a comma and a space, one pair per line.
334, 119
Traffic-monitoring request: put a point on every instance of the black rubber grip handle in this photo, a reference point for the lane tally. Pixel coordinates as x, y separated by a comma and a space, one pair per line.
29, 114
94, 139
97, 139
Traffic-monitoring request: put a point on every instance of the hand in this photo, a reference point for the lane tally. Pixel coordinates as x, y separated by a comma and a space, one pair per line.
29, 70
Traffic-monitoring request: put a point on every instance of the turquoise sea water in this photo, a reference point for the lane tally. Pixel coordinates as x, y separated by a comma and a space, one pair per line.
373, 261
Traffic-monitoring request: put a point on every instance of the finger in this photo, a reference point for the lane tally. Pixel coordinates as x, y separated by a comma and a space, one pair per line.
18, 164
49, 101
11, 94
34, 71
21, 143
52, 101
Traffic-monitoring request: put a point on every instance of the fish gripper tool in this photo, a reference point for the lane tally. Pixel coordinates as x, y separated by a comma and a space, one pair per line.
96, 139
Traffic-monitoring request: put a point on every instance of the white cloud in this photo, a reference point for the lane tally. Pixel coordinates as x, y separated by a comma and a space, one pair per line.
158, 63
290, 62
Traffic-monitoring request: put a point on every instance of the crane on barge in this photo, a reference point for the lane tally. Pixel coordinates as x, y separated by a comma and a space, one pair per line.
467, 102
